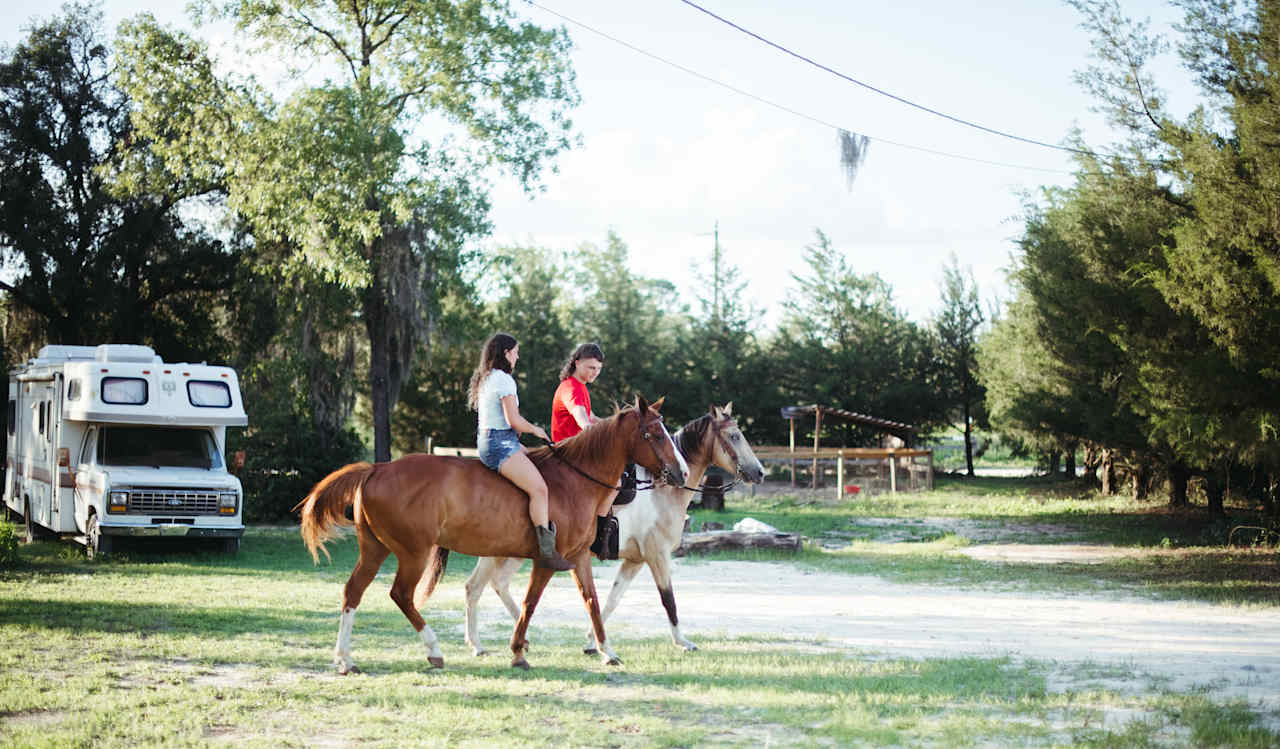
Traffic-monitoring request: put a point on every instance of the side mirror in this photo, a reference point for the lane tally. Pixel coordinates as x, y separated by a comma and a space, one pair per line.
237, 460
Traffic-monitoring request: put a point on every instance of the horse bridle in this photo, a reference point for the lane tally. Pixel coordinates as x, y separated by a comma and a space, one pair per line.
728, 448
639, 485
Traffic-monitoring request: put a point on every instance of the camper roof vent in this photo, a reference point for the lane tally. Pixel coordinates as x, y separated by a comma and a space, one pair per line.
64, 353
126, 352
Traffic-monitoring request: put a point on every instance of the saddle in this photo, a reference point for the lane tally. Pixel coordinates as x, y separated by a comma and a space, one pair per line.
627, 487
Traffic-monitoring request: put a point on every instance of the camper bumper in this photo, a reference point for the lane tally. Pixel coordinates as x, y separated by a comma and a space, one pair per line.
168, 529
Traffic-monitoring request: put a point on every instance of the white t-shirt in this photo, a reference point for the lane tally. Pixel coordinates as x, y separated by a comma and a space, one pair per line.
495, 387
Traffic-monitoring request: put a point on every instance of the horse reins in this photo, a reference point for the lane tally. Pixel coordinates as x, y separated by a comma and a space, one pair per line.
639, 485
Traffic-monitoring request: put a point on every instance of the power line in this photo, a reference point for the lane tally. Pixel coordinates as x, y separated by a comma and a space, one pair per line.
882, 92
782, 107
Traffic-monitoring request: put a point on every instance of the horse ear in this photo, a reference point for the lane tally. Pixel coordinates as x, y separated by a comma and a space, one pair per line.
715, 412
657, 405
728, 409
642, 405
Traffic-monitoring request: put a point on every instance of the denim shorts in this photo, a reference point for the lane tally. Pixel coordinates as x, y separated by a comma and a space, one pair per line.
496, 445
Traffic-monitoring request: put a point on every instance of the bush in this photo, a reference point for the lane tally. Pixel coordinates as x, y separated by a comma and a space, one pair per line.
8, 544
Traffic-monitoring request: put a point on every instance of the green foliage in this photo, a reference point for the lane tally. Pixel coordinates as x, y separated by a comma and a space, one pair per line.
92, 265
8, 544
844, 344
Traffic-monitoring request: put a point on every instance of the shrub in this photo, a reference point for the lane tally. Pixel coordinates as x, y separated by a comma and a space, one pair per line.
8, 544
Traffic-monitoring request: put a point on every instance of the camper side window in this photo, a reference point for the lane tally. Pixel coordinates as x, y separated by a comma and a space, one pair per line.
128, 391
13, 417
40, 417
73, 390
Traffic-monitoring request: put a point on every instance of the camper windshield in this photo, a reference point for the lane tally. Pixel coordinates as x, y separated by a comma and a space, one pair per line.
157, 446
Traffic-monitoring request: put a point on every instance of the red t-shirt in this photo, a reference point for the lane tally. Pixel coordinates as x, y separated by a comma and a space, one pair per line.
570, 392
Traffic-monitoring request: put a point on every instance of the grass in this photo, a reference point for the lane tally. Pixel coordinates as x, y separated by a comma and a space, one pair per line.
175, 648
1176, 555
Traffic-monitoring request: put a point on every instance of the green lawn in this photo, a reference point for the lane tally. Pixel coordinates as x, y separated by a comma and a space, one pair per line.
172, 648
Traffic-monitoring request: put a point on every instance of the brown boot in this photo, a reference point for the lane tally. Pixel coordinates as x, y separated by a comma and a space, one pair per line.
547, 554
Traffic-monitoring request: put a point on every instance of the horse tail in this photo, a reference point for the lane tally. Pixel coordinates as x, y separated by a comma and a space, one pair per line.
326, 506
435, 571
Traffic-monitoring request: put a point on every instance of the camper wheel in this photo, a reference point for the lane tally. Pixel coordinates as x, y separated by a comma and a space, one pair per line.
98, 544
231, 546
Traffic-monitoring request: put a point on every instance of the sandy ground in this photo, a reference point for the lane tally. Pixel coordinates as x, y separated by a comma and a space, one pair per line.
1143, 645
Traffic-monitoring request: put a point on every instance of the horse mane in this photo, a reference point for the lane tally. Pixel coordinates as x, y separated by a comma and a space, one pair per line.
689, 438
591, 441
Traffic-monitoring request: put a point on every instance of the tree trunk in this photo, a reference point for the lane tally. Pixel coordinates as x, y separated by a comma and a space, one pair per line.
375, 312
968, 440
1179, 477
1071, 462
1055, 461
1141, 479
1108, 467
1092, 459
1215, 487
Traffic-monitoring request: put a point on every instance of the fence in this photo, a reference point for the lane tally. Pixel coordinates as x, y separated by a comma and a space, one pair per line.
871, 470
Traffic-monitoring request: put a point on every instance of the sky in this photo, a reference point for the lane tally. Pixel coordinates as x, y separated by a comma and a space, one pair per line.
747, 141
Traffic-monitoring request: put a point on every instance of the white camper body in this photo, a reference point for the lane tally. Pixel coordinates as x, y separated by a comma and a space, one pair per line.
109, 441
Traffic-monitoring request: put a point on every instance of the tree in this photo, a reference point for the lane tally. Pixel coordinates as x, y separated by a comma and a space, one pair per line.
956, 328
721, 354
635, 320
92, 266
844, 343
342, 173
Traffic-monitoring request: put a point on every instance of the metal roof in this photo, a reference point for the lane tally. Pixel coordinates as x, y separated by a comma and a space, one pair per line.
792, 412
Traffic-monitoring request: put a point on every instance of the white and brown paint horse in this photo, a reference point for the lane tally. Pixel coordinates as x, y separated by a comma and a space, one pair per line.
422, 506
649, 527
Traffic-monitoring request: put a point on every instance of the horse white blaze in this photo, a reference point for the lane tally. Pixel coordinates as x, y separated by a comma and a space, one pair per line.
342, 651
684, 467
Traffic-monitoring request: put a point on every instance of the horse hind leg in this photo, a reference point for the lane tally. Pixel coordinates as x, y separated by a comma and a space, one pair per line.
372, 554
402, 592
494, 571
626, 573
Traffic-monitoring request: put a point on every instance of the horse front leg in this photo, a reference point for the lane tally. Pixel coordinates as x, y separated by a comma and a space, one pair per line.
626, 573
660, 567
538, 580
587, 587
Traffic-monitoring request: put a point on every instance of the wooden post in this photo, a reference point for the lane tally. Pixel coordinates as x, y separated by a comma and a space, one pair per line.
893, 472
793, 449
817, 430
930, 470
429, 441
840, 476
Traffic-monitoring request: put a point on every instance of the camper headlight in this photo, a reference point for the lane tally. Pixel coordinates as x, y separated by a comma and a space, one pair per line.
227, 502
118, 501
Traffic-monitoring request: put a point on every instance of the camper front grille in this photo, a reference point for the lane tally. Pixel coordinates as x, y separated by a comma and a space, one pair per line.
169, 501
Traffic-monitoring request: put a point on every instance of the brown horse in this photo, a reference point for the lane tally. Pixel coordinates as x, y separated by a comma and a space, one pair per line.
421, 506
650, 527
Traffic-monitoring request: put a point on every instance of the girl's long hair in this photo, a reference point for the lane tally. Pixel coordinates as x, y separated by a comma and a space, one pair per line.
584, 351
492, 356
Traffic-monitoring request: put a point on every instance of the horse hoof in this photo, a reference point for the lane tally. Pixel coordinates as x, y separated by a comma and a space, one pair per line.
436, 662
590, 651
479, 652
344, 670
690, 647
520, 663
614, 661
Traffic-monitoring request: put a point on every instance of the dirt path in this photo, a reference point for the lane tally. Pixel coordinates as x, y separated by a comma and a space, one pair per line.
1145, 645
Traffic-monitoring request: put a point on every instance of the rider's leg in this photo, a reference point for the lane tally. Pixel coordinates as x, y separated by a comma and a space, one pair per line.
521, 471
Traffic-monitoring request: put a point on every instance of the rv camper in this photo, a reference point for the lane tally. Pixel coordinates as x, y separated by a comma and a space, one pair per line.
107, 442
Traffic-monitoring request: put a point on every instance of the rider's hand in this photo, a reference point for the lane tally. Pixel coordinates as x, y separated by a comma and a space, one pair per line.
540, 433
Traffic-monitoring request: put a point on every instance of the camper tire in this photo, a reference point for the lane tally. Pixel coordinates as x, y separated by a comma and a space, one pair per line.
98, 545
231, 546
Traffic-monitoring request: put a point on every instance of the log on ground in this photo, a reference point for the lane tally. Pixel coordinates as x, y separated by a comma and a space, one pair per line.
708, 541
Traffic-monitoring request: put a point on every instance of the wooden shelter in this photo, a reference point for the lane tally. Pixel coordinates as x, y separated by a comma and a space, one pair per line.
891, 455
